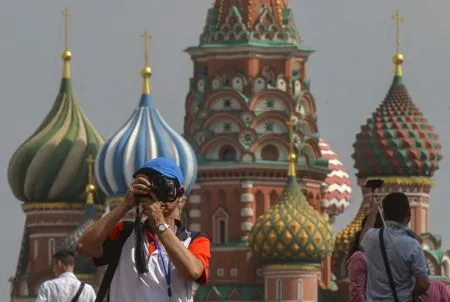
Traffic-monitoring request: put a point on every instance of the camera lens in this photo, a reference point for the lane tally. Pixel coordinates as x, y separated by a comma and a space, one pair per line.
159, 181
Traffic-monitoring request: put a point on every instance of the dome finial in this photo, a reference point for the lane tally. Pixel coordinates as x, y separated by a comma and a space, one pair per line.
90, 187
66, 55
398, 57
146, 72
292, 156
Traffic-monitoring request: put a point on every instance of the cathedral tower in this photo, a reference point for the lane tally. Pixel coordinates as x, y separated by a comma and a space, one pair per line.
399, 146
48, 173
250, 77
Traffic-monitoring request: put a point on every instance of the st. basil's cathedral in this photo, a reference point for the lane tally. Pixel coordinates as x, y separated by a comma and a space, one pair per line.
261, 181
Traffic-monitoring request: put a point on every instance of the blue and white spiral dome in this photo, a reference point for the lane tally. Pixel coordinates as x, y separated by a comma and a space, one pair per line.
144, 136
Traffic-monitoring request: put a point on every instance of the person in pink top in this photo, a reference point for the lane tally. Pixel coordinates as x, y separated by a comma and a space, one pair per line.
436, 292
357, 265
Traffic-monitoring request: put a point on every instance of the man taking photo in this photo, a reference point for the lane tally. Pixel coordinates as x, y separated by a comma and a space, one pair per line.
154, 261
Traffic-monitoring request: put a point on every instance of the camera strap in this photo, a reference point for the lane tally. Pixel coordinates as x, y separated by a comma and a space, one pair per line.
167, 270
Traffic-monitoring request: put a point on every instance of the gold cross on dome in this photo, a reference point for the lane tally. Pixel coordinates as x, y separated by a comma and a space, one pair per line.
147, 37
398, 20
66, 15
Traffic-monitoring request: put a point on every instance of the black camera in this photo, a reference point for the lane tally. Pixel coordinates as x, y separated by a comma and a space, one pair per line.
164, 188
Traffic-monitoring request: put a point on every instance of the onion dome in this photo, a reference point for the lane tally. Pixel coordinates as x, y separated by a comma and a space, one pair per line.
50, 166
397, 140
291, 231
146, 135
338, 188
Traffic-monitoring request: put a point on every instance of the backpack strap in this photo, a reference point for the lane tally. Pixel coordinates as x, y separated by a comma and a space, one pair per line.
78, 294
387, 266
112, 266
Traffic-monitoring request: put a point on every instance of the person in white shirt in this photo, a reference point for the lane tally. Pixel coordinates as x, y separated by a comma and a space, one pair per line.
66, 287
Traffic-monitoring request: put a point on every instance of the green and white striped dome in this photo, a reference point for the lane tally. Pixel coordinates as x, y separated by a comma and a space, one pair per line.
51, 166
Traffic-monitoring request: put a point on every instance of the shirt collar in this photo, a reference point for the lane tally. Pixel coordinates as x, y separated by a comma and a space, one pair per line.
67, 275
396, 225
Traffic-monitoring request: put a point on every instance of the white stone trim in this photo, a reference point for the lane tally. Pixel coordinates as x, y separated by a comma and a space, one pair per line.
194, 213
59, 223
247, 184
247, 212
247, 197
220, 272
246, 226
194, 227
194, 199
195, 187
419, 204
45, 235
383, 194
234, 272
54, 212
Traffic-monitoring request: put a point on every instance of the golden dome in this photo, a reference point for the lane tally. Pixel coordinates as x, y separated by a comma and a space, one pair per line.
344, 237
291, 231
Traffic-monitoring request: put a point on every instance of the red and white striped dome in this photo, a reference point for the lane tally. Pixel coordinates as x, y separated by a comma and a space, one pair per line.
338, 188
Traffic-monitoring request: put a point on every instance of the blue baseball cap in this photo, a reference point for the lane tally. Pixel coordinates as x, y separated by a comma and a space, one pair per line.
163, 166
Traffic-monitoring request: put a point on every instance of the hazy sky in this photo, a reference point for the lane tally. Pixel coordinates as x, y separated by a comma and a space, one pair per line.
350, 74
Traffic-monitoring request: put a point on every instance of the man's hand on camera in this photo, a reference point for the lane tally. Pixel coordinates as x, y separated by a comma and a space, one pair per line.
139, 187
154, 212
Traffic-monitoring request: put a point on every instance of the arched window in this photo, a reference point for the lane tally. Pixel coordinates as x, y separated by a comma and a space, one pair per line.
270, 152
227, 152
278, 291
220, 227
260, 205
221, 231
273, 198
51, 250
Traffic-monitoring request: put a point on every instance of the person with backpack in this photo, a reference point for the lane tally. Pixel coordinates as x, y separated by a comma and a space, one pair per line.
66, 287
155, 258
396, 267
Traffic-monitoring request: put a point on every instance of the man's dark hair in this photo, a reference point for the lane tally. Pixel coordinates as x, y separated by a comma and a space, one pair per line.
378, 222
65, 256
396, 207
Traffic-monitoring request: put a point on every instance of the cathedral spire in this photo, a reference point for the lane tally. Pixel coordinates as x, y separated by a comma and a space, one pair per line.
66, 55
398, 57
146, 72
